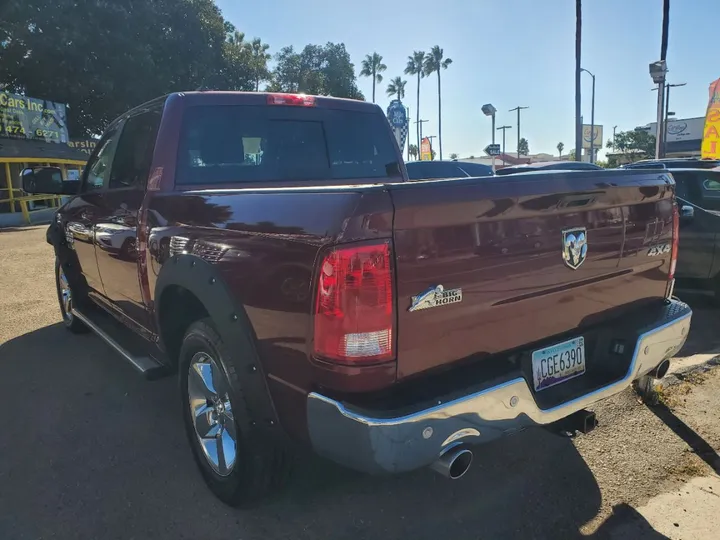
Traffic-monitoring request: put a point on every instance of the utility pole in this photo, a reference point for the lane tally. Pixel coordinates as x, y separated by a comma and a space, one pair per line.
407, 110
578, 66
518, 109
504, 128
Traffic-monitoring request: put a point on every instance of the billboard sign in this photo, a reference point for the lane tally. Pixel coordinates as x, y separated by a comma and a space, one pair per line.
597, 139
425, 150
711, 132
23, 117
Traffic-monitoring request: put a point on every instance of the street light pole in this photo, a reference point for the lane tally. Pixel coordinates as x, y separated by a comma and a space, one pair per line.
614, 128
518, 109
592, 118
658, 71
504, 128
667, 114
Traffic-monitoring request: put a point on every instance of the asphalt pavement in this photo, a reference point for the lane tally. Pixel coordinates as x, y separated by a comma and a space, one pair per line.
88, 449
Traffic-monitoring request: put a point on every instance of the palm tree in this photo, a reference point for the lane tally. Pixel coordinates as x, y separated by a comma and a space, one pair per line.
560, 148
372, 66
396, 87
413, 151
415, 67
434, 63
258, 61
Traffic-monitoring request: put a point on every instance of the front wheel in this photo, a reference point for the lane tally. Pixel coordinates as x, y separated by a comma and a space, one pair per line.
67, 301
238, 469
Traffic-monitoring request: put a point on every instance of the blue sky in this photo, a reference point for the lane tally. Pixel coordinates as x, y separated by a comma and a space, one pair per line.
509, 53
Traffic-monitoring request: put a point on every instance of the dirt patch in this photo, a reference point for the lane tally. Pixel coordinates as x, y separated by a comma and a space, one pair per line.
635, 455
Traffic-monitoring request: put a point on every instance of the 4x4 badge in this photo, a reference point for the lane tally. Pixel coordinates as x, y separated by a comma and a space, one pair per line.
574, 246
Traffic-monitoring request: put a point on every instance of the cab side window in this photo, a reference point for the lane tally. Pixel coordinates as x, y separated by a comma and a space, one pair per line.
97, 171
133, 158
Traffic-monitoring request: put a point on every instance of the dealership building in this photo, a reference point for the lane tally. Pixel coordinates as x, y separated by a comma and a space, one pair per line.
684, 136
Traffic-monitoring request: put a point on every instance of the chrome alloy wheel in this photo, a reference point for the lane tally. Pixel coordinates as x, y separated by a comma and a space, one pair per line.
211, 412
65, 294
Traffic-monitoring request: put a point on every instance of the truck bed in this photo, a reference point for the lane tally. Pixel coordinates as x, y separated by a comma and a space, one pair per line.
500, 241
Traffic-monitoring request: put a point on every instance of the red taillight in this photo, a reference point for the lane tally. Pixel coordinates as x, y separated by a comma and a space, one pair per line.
297, 100
354, 305
675, 238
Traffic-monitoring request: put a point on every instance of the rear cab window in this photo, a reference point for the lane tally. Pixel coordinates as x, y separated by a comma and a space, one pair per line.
231, 144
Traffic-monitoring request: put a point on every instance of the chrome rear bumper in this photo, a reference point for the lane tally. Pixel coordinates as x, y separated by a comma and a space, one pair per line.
372, 443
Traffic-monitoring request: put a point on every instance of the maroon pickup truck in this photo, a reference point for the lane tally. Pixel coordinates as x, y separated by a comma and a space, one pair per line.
269, 249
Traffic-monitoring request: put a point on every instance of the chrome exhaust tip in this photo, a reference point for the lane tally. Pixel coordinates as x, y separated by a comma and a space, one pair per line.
660, 371
454, 463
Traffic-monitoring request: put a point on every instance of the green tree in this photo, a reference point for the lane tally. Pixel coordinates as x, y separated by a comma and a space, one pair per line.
435, 62
571, 155
415, 67
237, 75
83, 53
372, 66
322, 70
523, 147
560, 148
453, 156
413, 150
258, 60
396, 88
633, 145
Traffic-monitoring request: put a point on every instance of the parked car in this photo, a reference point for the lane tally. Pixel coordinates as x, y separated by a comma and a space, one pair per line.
673, 163
549, 166
308, 292
698, 194
426, 170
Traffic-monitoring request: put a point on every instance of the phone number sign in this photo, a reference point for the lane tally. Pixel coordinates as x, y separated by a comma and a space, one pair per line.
23, 117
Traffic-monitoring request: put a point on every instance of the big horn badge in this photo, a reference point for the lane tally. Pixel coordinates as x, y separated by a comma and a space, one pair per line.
397, 116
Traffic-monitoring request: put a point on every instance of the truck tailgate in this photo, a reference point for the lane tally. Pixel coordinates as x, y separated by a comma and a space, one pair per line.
501, 242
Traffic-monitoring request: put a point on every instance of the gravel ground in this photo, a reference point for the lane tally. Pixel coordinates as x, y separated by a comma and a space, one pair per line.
89, 450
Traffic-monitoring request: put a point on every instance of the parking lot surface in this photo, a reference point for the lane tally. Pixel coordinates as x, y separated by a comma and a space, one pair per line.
88, 449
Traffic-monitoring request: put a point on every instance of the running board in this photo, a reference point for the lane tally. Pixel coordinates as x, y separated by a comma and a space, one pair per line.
148, 366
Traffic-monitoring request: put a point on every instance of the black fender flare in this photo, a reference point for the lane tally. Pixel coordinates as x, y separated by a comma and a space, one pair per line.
65, 254
246, 375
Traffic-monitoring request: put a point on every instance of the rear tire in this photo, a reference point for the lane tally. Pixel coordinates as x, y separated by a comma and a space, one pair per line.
67, 301
239, 468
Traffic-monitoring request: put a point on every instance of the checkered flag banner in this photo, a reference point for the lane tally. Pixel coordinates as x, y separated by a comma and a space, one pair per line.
397, 116
401, 134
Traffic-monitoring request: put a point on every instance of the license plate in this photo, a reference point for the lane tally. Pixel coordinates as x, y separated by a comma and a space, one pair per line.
558, 363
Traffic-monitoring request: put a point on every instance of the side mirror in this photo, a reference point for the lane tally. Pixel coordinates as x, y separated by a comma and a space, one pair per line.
687, 213
46, 181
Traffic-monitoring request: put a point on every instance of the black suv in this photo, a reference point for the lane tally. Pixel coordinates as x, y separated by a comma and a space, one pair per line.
698, 194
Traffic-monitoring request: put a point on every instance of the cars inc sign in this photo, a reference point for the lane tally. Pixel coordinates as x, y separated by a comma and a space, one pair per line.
23, 117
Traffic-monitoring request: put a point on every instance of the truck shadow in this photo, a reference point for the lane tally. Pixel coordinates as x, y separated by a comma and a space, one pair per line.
97, 452
703, 337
